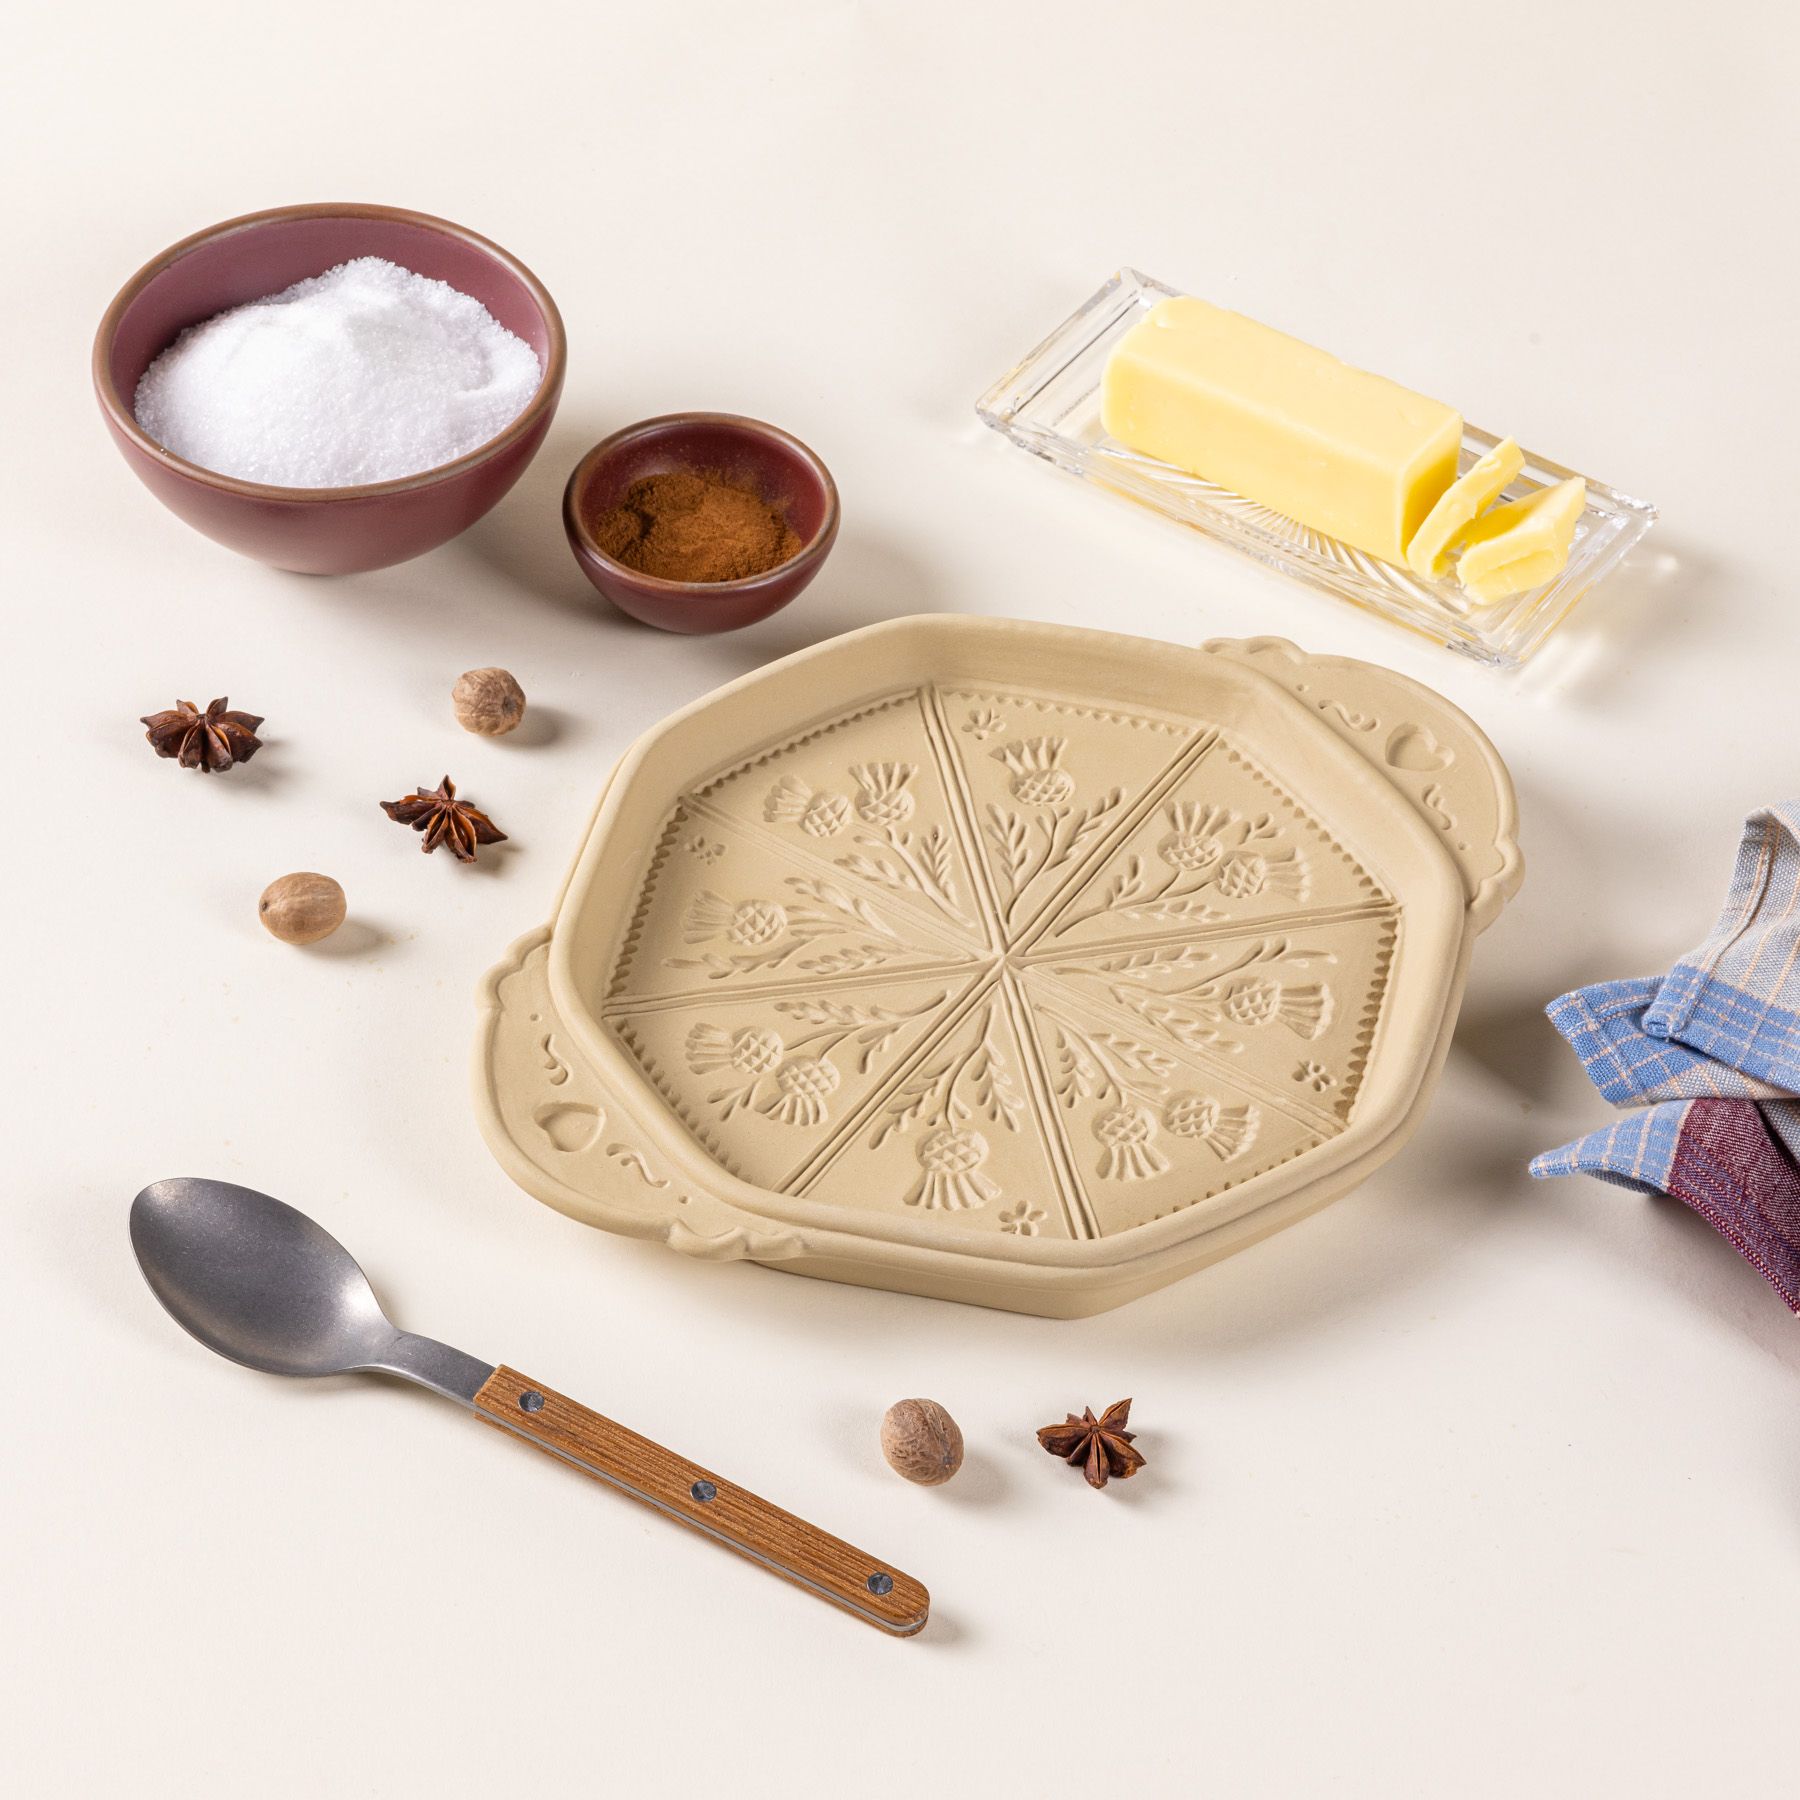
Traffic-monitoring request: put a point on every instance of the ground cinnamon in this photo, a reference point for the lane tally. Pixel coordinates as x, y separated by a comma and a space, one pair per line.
695, 525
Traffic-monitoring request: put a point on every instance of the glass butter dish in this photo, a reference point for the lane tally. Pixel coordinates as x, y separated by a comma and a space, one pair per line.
1049, 403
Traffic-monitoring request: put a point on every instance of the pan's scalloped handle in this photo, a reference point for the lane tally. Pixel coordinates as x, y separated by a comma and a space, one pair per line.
564, 1137
1430, 750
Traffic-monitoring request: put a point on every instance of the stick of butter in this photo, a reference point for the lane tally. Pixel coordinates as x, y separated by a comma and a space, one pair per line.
1256, 411
1429, 552
1522, 544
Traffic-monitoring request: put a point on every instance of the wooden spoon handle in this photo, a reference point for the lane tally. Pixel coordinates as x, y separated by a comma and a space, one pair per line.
800, 1553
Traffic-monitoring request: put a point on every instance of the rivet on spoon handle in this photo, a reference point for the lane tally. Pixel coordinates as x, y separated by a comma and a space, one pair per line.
801, 1553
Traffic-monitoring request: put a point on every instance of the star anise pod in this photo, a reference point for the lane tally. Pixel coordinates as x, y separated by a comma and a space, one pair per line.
209, 741
1098, 1447
444, 819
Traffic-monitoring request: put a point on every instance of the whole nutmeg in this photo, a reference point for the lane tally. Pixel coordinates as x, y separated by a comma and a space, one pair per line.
488, 701
921, 1441
301, 909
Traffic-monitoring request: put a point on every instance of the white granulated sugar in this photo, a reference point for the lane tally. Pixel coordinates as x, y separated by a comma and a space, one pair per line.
365, 373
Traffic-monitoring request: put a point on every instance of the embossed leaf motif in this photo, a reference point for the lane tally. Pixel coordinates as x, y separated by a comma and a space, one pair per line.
1210, 999
944, 1101
1129, 1080
758, 934
1208, 853
791, 1074
1031, 845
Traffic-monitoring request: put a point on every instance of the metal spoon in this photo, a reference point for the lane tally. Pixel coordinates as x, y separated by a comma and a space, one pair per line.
263, 1285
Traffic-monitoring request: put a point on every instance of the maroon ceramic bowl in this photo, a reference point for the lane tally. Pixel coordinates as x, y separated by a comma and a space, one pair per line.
779, 467
322, 531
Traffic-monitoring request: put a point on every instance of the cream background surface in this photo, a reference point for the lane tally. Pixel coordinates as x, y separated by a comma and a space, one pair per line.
1467, 1486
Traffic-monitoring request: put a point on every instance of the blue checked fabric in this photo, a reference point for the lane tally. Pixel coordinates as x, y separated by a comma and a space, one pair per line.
1737, 998
1724, 1023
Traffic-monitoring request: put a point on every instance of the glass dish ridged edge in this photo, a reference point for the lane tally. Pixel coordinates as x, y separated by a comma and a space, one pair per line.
1049, 404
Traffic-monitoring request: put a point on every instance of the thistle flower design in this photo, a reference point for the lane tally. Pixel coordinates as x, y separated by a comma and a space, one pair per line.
967, 1081
750, 923
1227, 1131
1126, 1133
1255, 1000
1192, 843
1247, 873
1206, 850
751, 1051
950, 1159
1252, 1002
1038, 777
803, 1085
792, 801
884, 798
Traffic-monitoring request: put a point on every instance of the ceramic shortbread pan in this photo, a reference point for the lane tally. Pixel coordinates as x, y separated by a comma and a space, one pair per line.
1001, 962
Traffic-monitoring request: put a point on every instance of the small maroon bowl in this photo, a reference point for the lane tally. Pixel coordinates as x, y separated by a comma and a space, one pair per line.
322, 531
777, 466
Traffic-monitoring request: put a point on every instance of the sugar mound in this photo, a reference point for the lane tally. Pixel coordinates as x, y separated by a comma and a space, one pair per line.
365, 373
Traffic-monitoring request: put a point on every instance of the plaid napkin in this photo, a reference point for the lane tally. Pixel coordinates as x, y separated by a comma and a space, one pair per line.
1712, 1051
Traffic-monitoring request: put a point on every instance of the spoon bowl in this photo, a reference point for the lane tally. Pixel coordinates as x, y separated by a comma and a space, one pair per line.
256, 1280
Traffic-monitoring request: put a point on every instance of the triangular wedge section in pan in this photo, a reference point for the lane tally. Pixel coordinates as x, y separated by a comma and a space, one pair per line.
1224, 845
767, 1084
1146, 1131
724, 910
1291, 1013
959, 1141
863, 794
1048, 783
